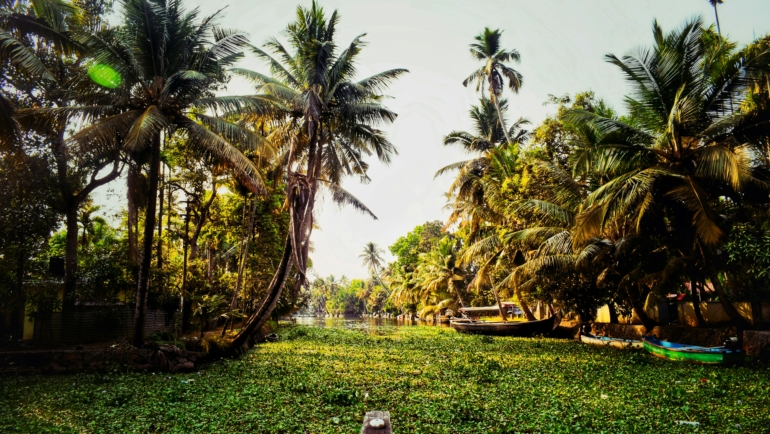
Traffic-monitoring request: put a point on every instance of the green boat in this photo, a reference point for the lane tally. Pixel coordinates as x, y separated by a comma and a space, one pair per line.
692, 353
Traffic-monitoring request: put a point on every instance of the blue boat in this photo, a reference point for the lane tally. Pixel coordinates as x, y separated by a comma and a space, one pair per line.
692, 353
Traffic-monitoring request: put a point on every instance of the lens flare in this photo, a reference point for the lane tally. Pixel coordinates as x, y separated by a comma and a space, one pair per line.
104, 75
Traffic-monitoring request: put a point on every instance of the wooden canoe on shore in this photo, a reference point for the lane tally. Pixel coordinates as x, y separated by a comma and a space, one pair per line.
611, 342
692, 353
510, 328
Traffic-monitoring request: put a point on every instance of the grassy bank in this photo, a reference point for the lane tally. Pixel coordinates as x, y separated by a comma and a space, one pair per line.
432, 380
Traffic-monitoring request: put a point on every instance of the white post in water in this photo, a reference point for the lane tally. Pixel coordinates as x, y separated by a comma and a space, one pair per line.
377, 422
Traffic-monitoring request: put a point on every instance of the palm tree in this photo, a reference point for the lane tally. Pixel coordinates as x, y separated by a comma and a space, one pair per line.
494, 72
440, 274
373, 260
328, 125
714, 4
679, 164
169, 63
487, 136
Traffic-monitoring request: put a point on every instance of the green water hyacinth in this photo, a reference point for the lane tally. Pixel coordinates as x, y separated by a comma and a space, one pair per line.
431, 379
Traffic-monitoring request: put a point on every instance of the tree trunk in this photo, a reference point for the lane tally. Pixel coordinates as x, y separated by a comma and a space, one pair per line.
203, 214
260, 317
638, 307
499, 115
147, 244
133, 234
696, 304
71, 256
160, 221
731, 311
613, 313
524, 307
499, 304
244, 256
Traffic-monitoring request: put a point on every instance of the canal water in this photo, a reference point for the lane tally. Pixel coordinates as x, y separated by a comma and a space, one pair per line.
365, 322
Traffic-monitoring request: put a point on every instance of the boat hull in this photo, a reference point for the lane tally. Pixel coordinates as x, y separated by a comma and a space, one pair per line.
516, 328
611, 342
692, 353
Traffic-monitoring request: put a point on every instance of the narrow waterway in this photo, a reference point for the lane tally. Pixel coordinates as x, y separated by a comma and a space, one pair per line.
365, 322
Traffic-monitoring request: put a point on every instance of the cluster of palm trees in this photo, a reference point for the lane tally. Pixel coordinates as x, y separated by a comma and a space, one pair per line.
311, 122
594, 208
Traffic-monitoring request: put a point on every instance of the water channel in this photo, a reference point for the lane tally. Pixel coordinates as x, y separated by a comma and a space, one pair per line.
362, 322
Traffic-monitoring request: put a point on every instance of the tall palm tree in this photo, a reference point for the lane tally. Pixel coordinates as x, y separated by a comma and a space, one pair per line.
495, 71
680, 163
169, 63
487, 135
714, 4
373, 260
327, 127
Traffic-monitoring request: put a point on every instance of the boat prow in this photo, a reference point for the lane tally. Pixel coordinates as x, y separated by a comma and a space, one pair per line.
692, 353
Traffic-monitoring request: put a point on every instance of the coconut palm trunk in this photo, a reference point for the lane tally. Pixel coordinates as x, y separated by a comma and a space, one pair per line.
143, 281
494, 99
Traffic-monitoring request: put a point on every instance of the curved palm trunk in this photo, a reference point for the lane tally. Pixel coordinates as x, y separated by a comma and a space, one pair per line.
379, 278
147, 245
261, 315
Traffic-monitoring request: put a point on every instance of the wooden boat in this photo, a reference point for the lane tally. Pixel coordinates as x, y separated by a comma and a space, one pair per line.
611, 342
510, 328
692, 353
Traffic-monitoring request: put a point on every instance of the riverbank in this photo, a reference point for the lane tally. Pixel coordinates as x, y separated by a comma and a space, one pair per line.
432, 380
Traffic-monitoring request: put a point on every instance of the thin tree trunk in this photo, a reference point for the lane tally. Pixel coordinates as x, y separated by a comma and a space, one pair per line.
499, 115
244, 256
696, 304
716, 15
524, 307
160, 220
499, 304
147, 245
731, 311
71, 256
203, 214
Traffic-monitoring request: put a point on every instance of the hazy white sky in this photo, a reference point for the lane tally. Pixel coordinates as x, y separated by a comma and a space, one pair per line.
562, 44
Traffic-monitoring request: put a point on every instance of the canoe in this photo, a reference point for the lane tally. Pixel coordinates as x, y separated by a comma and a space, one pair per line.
611, 342
692, 353
510, 328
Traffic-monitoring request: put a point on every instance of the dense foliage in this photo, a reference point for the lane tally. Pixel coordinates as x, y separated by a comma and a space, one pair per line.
596, 208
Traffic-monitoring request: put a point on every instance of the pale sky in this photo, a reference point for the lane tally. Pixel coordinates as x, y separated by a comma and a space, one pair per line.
562, 45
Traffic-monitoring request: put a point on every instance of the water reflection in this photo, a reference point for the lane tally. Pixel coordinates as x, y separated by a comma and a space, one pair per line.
366, 322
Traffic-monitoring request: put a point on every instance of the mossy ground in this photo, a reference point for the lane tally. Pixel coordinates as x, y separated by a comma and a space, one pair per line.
432, 380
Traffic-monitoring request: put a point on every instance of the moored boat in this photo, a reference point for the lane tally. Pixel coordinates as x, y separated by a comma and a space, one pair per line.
611, 342
692, 353
509, 328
